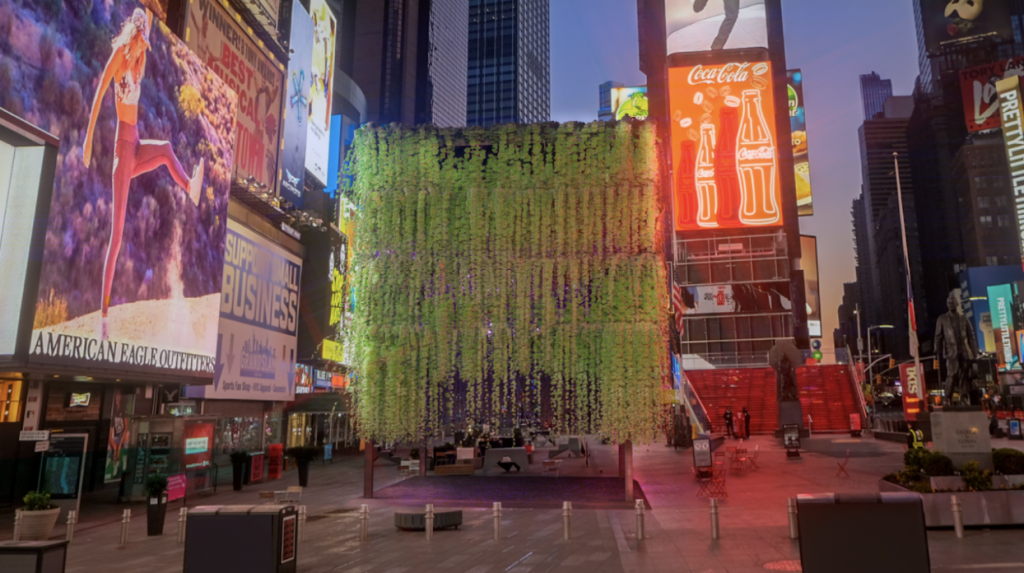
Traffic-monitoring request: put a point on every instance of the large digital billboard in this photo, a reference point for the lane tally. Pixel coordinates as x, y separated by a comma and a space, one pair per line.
1000, 301
259, 311
630, 102
981, 96
705, 25
809, 264
798, 128
131, 271
1011, 106
325, 29
724, 146
747, 298
950, 23
296, 116
215, 33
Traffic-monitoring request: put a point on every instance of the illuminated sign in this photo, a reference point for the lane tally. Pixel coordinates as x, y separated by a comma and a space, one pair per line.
133, 253
296, 107
724, 146
748, 298
303, 379
325, 29
333, 352
198, 445
981, 95
1000, 301
703, 25
798, 127
1010, 107
951, 23
629, 102
809, 264
79, 400
911, 396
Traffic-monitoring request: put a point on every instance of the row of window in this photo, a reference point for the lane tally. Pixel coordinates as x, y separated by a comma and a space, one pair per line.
999, 220
998, 201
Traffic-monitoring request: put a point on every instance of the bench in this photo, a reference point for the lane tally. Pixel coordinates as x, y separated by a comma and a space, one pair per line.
418, 521
454, 470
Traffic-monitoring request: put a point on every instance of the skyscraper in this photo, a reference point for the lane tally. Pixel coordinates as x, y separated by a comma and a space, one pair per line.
873, 92
509, 67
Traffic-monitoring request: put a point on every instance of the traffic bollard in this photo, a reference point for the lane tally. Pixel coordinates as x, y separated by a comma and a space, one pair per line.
567, 520
364, 523
126, 521
430, 521
497, 520
958, 518
69, 531
302, 522
794, 529
714, 519
639, 519
182, 523
17, 525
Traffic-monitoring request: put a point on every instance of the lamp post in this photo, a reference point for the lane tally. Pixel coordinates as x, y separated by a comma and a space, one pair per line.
870, 328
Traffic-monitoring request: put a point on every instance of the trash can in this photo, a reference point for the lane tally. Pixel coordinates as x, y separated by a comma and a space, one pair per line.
33, 556
250, 538
833, 529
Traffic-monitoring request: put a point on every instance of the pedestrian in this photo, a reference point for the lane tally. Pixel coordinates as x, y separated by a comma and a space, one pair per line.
732, 15
728, 422
746, 423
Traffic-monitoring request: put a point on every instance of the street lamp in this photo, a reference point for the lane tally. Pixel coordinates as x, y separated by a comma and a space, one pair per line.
870, 328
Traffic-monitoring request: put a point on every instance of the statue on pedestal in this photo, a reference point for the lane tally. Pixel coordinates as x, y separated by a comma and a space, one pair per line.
956, 344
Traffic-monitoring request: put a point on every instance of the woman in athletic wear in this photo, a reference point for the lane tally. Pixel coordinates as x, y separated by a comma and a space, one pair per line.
132, 157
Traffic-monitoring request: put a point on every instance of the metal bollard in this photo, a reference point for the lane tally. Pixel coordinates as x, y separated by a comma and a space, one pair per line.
364, 523
497, 520
182, 523
958, 517
639, 519
430, 521
69, 531
126, 521
302, 522
794, 529
567, 520
714, 519
17, 525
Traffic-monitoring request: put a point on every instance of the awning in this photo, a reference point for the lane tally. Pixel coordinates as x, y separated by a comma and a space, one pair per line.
324, 402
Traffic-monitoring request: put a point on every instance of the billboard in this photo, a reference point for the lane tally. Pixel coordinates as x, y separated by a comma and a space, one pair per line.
321, 87
724, 146
798, 127
259, 309
198, 445
1011, 102
912, 376
629, 102
303, 379
703, 25
809, 264
296, 115
981, 96
1000, 300
749, 298
950, 23
131, 268
214, 32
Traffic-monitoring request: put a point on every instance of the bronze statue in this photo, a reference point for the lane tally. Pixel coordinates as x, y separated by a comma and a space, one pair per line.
955, 342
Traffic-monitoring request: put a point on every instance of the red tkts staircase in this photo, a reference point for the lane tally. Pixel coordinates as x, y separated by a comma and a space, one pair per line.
826, 394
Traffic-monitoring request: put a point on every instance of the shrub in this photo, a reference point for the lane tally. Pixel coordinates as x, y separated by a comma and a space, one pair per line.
1008, 461
37, 501
975, 479
936, 464
921, 487
914, 458
156, 485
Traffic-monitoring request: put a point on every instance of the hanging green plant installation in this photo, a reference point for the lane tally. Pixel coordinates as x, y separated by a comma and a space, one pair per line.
509, 275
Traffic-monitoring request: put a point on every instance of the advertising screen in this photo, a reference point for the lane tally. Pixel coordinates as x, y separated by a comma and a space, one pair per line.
809, 264
703, 25
798, 127
724, 146
259, 309
1000, 301
981, 96
212, 32
949, 23
751, 298
325, 29
296, 115
198, 446
630, 102
1011, 108
131, 269
303, 379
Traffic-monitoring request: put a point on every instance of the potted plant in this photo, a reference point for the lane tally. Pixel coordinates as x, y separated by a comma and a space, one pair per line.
156, 509
238, 459
38, 517
302, 456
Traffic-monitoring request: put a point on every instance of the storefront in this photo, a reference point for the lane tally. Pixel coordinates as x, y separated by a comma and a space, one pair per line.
322, 419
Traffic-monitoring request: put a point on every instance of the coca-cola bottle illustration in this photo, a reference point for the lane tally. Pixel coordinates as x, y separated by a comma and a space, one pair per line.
686, 186
707, 187
725, 167
756, 164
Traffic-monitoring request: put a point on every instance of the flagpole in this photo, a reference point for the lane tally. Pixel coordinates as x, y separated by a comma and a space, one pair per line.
906, 258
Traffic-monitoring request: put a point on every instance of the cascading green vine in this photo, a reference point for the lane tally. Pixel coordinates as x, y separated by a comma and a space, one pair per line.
509, 273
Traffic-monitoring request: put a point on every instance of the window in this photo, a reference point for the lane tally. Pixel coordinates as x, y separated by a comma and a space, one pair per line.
984, 202
1002, 201
1004, 221
986, 221
992, 261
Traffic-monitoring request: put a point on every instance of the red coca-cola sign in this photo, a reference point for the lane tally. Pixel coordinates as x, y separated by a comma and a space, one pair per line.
724, 146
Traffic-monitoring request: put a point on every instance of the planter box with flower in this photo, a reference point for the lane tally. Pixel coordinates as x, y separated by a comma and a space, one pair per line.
38, 517
986, 498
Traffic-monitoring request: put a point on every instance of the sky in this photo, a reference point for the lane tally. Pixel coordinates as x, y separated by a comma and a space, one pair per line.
833, 43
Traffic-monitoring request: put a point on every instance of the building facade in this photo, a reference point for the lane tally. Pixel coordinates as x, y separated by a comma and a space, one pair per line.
873, 93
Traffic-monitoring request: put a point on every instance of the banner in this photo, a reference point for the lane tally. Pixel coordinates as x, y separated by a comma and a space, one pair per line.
322, 86
951, 23
809, 264
215, 33
259, 309
912, 379
1000, 301
981, 96
198, 446
703, 25
1011, 106
134, 244
798, 127
296, 116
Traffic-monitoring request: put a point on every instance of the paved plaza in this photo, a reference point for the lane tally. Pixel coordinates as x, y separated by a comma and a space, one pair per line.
754, 532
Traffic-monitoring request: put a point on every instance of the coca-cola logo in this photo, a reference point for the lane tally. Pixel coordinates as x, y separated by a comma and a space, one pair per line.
727, 74
705, 173
765, 152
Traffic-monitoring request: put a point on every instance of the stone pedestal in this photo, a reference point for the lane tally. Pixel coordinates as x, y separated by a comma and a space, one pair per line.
791, 413
962, 434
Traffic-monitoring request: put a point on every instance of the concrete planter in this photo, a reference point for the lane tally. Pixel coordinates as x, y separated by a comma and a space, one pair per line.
980, 508
38, 525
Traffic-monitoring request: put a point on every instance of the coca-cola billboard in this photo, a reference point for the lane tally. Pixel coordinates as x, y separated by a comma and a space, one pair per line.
724, 146
981, 98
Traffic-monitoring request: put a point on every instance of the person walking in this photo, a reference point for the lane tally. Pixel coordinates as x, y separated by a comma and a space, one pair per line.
728, 422
746, 423
732, 15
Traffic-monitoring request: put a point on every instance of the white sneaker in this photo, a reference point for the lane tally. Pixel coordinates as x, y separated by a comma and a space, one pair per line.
195, 187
